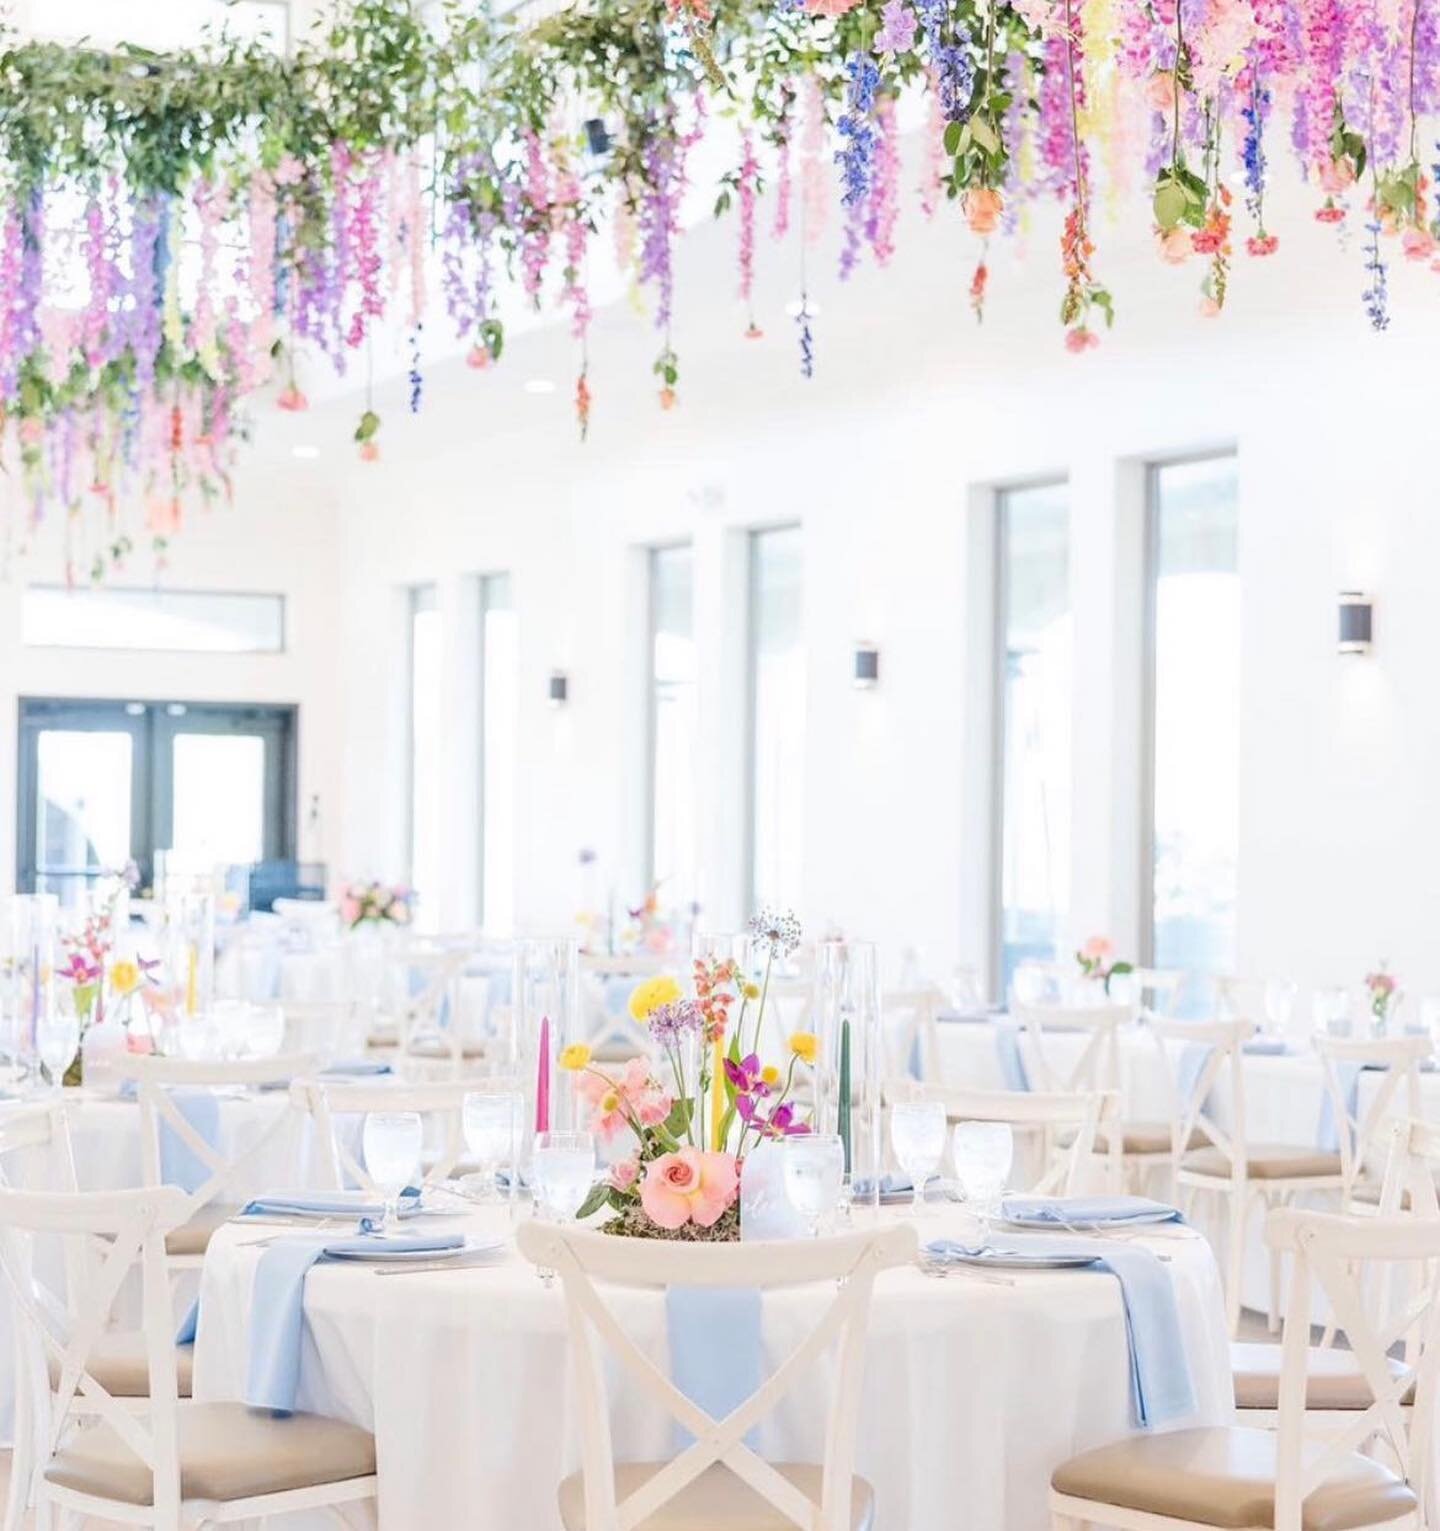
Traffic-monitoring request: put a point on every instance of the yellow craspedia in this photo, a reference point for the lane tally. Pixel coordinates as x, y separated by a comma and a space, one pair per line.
651, 994
575, 1057
124, 977
804, 1045
750, 990
770, 1075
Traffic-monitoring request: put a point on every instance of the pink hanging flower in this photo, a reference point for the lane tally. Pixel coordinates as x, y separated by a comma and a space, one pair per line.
934, 162
1260, 245
745, 194
812, 172
883, 211
535, 240
689, 1186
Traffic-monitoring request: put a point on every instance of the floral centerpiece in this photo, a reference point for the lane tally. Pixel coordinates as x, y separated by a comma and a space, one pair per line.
86, 952
1382, 986
376, 903
700, 1101
1097, 961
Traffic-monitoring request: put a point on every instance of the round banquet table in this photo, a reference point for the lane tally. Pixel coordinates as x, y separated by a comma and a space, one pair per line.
974, 1390
1284, 1102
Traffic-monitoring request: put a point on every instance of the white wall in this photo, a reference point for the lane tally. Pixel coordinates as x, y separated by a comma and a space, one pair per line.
278, 536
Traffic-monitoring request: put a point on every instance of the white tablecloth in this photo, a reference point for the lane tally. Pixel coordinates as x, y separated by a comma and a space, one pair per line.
973, 1391
1283, 1104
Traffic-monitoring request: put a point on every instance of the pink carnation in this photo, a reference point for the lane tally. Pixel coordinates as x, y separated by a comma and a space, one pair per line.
689, 1186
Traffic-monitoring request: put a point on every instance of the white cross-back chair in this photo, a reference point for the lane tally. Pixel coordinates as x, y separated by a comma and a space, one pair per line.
431, 1025
1068, 1125
179, 1464
1309, 1473
612, 1036
1412, 1170
1210, 1105
1363, 1132
910, 1030
214, 1201
718, 1480
327, 1029
438, 1102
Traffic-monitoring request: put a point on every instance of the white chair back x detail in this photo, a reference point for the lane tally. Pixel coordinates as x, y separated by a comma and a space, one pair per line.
852, 1260
1364, 1133
911, 1033
155, 1079
1096, 1066
438, 1103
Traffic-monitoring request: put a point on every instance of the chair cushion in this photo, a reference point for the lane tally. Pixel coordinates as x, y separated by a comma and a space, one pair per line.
227, 1451
1266, 1161
1226, 1477
118, 1363
193, 1238
1139, 1138
1333, 1379
716, 1501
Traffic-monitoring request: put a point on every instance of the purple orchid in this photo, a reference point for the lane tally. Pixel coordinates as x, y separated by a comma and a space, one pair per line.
781, 1122
748, 1081
80, 972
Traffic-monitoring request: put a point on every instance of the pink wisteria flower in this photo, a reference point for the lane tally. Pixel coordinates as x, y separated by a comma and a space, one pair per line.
690, 1186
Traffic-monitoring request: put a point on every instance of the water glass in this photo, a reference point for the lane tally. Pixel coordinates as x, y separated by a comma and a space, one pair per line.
917, 1135
492, 1134
563, 1170
391, 1142
57, 1041
814, 1173
1279, 1002
984, 1153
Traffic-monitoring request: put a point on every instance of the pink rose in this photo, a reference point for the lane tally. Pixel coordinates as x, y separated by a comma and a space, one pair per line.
1209, 308
1098, 949
1080, 339
1417, 244
1174, 245
1160, 92
624, 1174
689, 1186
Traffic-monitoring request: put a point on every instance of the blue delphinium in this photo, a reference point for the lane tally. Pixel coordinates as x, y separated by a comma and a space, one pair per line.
954, 68
1377, 295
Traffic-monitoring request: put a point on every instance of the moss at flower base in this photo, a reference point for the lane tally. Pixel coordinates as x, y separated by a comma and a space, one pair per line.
635, 1224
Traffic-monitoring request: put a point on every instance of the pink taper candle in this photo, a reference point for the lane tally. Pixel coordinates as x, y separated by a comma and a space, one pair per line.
542, 1083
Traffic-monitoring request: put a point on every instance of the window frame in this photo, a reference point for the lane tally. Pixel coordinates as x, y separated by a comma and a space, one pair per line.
653, 553
486, 586
1002, 495
1149, 659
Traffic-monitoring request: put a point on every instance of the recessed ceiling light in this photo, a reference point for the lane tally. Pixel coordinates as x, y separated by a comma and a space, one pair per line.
808, 305
304, 451
539, 385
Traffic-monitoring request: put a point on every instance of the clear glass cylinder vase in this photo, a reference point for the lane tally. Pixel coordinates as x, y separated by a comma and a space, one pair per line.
28, 927
849, 1065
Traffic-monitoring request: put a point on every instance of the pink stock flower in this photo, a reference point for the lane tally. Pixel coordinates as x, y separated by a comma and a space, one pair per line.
634, 1095
689, 1186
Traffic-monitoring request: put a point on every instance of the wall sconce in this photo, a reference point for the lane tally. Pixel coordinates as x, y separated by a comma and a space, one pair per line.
559, 688
1356, 622
867, 666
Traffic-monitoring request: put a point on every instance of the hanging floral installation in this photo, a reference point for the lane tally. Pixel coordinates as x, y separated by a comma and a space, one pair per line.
175, 230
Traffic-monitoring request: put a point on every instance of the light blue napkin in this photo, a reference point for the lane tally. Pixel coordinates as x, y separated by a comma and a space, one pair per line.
1115, 1211
277, 1308
715, 1353
1160, 1386
1266, 1047
1007, 1052
325, 1204
1327, 1129
179, 1163
357, 1068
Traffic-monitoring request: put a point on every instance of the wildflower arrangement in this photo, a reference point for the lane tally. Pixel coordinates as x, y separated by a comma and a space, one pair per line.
711, 1100
1097, 961
376, 903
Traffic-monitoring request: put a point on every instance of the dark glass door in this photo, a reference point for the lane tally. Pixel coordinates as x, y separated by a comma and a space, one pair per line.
102, 783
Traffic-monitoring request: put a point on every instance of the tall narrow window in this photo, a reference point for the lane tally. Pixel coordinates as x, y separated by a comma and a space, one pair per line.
426, 713
499, 752
1194, 713
1033, 699
673, 726
777, 717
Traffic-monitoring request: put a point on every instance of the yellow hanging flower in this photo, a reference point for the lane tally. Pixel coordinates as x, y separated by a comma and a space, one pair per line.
651, 994
804, 1046
124, 978
575, 1057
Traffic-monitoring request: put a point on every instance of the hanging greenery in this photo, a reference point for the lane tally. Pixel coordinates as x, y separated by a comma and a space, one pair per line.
175, 227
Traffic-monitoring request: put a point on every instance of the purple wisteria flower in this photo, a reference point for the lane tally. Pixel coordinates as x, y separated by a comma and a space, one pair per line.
857, 128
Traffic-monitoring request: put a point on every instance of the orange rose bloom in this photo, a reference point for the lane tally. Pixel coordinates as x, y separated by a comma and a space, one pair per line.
983, 206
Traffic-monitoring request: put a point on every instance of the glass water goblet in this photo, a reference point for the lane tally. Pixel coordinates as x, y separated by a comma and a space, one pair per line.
1279, 1001
984, 1153
813, 1167
917, 1135
392, 1141
491, 1120
58, 1040
564, 1170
